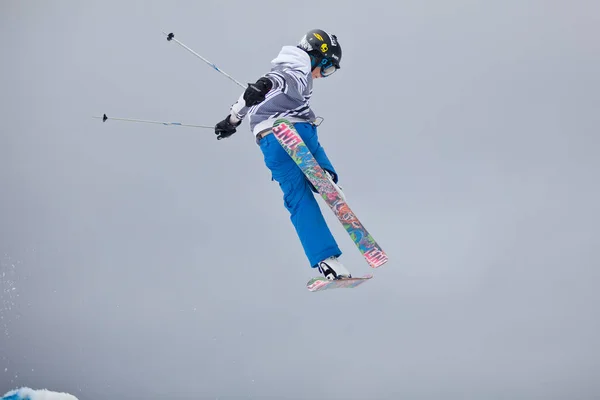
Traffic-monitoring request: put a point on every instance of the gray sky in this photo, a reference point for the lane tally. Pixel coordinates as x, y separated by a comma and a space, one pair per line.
140, 261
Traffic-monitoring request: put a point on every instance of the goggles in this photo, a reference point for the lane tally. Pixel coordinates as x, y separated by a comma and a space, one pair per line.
327, 67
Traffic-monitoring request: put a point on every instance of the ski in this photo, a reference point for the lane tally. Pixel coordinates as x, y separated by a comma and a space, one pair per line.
320, 283
290, 140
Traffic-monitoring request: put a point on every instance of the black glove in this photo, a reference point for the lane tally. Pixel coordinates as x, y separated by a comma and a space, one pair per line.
256, 92
225, 128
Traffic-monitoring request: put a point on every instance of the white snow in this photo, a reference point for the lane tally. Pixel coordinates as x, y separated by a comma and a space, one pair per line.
30, 394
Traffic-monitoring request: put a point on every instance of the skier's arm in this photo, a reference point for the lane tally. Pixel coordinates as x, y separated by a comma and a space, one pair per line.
239, 109
292, 84
253, 95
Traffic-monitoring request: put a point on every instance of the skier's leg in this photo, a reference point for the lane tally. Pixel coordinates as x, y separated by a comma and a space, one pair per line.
305, 214
330, 267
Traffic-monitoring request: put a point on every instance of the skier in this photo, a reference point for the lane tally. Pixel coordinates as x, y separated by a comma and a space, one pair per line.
285, 91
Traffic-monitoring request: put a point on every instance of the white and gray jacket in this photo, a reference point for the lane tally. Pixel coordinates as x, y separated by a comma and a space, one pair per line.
289, 97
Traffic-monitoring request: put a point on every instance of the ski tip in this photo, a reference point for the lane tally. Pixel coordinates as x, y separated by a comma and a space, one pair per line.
376, 257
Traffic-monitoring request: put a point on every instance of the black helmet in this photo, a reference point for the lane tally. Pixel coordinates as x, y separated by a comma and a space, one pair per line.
324, 50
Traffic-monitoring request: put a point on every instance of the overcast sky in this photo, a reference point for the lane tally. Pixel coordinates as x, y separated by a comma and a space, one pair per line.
146, 261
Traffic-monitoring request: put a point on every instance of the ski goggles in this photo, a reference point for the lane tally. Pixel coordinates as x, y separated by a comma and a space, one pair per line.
327, 67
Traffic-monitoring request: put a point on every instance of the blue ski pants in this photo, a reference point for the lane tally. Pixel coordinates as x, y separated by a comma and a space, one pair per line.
298, 196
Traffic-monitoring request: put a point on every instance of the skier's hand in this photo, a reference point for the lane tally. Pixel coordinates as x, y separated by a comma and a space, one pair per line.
331, 175
256, 92
226, 128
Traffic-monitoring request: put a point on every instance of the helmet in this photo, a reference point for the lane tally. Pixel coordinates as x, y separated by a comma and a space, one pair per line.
324, 50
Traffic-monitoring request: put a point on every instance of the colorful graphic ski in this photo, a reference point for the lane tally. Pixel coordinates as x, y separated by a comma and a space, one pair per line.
321, 283
293, 144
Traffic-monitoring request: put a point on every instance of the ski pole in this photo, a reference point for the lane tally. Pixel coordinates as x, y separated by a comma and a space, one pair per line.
104, 118
171, 37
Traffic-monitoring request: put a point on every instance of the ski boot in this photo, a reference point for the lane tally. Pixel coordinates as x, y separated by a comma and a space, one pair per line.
333, 269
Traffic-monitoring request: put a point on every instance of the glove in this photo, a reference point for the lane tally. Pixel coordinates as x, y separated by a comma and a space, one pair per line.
256, 92
333, 178
332, 175
225, 128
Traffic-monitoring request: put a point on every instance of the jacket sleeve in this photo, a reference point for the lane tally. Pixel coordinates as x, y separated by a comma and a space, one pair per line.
292, 83
239, 109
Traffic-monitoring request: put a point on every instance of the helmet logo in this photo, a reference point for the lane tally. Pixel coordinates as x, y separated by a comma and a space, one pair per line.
305, 45
324, 48
318, 36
